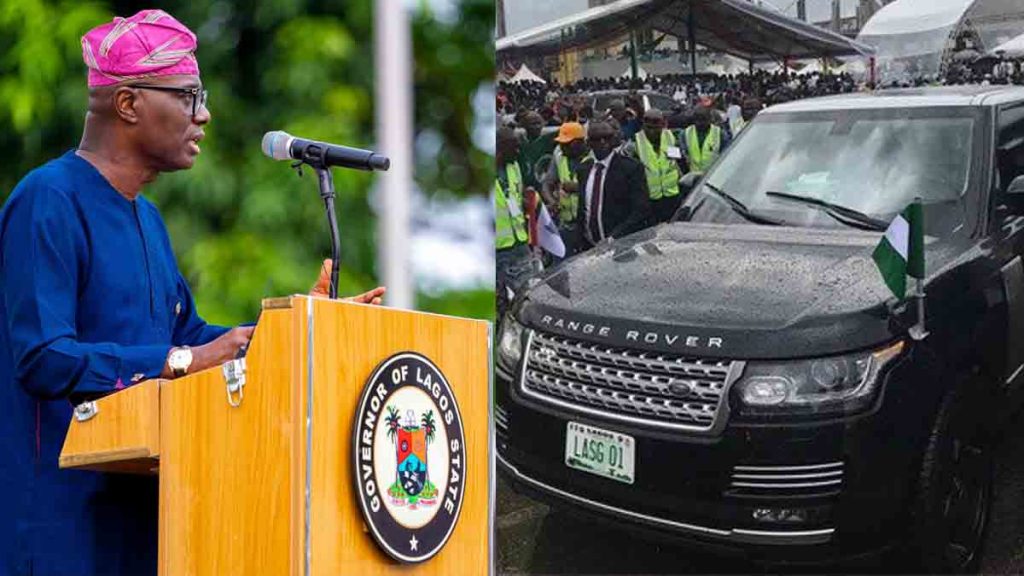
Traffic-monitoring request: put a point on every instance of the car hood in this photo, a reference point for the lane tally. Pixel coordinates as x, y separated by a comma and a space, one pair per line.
723, 290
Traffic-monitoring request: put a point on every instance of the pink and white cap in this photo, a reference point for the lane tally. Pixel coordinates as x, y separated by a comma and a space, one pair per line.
150, 43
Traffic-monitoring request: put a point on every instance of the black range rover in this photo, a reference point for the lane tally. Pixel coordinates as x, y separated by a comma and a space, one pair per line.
741, 377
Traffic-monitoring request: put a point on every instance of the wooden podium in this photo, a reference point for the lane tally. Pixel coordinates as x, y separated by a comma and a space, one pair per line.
235, 466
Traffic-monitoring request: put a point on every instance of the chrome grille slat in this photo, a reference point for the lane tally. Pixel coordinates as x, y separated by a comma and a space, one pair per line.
787, 468
787, 476
789, 485
805, 479
641, 387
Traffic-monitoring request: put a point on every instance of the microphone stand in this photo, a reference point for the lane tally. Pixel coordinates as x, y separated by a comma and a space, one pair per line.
316, 157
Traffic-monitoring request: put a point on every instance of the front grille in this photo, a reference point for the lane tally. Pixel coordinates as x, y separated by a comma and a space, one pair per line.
807, 480
647, 388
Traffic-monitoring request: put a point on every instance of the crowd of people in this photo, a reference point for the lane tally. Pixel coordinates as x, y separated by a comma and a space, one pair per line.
771, 87
584, 176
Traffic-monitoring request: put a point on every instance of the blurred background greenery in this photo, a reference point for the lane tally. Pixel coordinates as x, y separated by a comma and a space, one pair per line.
245, 227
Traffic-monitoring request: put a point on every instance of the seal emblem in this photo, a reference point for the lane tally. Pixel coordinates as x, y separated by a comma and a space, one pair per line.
409, 461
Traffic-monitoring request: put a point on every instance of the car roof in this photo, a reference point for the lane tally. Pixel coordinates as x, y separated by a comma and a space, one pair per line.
971, 95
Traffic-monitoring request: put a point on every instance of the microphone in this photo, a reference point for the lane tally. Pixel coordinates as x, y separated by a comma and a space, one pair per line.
283, 146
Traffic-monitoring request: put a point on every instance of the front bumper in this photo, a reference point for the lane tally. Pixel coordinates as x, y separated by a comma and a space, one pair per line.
686, 486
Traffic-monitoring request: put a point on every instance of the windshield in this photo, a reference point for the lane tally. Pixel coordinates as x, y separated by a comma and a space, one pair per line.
871, 161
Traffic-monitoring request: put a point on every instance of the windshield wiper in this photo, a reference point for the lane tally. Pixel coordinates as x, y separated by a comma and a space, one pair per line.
741, 208
847, 216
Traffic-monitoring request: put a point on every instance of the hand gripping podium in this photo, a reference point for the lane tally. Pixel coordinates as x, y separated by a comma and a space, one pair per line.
351, 439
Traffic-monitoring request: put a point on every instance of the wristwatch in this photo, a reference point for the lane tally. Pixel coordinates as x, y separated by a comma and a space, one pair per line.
179, 360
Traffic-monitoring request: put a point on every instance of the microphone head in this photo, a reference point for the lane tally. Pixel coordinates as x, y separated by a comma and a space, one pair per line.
379, 162
277, 145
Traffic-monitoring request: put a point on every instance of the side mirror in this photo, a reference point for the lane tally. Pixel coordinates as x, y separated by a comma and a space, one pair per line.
1016, 187
1012, 200
688, 182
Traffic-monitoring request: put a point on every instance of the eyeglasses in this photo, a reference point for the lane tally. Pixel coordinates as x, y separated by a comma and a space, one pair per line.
198, 94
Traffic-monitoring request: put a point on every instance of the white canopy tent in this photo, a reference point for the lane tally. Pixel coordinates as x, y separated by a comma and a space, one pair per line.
524, 74
917, 38
1013, 48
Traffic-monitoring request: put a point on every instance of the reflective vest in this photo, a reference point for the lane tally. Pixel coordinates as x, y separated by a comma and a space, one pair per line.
736, 125
568, 204
662, 171
509, 221
701, 158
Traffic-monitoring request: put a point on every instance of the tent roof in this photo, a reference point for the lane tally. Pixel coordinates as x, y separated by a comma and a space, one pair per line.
524, 74
910, 16
1013, 48
735, 27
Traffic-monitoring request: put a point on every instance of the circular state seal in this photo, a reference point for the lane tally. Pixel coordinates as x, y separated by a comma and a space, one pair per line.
409, 457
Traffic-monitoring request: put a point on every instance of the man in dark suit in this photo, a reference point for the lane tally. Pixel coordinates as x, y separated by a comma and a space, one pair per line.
613, 190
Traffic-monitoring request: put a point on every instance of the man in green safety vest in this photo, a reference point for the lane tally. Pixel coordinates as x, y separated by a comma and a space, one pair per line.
512, 254
656, 148
560, 186
704, 141
750, 107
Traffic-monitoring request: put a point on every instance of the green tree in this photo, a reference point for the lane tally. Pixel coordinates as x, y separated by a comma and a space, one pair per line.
245, 227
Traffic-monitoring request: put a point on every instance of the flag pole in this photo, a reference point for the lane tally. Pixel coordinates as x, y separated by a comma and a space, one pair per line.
918, 331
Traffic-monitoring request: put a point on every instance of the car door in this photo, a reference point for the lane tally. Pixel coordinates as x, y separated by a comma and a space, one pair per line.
1006, 228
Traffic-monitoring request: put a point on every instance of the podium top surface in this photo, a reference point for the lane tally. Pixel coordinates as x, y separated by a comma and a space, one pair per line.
280, 302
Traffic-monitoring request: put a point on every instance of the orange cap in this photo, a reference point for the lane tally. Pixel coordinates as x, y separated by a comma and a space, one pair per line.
570, 131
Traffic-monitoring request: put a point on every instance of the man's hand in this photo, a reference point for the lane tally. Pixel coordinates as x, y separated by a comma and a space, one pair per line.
570, 187
323, 286
217, 352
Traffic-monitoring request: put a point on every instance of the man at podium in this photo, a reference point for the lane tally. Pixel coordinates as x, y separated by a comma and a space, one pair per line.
93, 301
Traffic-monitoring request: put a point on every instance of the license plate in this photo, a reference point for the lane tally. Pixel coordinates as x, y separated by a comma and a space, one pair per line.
598, 451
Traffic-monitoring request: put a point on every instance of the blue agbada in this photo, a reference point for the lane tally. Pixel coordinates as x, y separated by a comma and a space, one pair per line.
92, 302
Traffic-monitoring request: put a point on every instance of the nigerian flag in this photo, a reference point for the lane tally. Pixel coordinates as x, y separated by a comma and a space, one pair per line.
901, 251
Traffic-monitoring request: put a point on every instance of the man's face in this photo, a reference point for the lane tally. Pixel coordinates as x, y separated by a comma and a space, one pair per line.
702, 119
574, 149
533, 123
618, 111
167, 132
653, 128
601, 140
507, 146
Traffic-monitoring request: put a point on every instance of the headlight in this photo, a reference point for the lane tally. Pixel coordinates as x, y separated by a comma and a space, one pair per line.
510, 343
840, 384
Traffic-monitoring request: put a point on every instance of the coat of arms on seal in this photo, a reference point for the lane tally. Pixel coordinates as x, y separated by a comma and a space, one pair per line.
410, 468
412, 486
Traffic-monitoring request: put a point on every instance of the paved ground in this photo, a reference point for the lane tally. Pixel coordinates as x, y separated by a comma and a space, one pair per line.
534, 539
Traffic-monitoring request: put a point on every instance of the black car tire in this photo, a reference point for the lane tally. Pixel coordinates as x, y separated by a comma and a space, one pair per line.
951, 503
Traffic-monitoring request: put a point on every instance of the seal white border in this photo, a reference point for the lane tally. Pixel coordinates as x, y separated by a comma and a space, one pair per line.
360, 494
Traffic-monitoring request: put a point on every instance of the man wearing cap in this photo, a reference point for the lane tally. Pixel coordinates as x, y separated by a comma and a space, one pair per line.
93, 301
560, 186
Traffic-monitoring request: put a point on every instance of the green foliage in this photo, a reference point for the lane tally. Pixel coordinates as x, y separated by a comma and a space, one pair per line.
245, 227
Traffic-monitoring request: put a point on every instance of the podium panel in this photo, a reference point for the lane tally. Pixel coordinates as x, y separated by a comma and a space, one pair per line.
257, 464
347, 347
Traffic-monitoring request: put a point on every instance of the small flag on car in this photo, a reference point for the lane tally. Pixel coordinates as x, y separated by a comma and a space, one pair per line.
901, 254
901, 251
